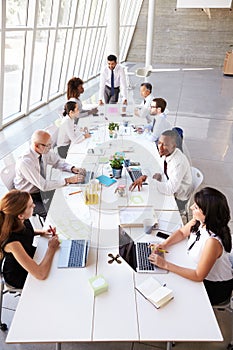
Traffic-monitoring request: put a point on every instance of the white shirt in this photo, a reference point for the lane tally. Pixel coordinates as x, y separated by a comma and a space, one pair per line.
160, 125
179, 183
119, 80
144, 108
28, 176
67, 132
221, 270
82, 112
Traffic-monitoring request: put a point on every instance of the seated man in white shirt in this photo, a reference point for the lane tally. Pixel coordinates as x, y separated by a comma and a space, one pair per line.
143, 110
159, 122
176, 178
31, 172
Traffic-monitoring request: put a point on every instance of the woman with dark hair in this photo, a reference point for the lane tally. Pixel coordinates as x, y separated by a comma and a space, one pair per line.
209, 245
68, 132
16, 240
74, 90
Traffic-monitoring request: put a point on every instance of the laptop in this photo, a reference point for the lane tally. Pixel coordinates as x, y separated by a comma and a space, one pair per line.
134, 172
89, 176
136, 254
73, 253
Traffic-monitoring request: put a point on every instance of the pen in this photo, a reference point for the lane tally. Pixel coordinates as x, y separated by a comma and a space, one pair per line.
52, 230
74, 192
162, 250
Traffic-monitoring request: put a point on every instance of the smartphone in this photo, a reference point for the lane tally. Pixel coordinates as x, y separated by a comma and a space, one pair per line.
162, 235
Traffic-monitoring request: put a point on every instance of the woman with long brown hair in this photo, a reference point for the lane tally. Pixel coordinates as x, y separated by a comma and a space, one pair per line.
16, 240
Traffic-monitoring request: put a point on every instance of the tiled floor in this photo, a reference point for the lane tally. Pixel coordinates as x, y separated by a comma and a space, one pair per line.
201, 102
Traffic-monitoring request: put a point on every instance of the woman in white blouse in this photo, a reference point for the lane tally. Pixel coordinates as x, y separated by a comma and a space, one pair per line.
68, 131
209, 245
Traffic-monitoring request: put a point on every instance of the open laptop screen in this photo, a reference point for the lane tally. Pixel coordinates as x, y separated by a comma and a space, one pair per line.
127, 249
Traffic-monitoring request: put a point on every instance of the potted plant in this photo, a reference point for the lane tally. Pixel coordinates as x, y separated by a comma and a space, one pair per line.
116, 162
112, 127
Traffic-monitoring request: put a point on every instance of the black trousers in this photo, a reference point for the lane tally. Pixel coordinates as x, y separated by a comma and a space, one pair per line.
42, 201
218, 292
107, 95
63, 150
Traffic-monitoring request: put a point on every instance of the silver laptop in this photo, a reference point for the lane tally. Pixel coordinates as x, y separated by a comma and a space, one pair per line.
136, 254
73, 253
89, 176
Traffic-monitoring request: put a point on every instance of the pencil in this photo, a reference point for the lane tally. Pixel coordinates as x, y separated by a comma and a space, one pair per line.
74, 192
163, 250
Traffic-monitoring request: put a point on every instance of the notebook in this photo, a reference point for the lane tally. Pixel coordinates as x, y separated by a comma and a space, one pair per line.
112, 109
136, 254
73, 253
105, 180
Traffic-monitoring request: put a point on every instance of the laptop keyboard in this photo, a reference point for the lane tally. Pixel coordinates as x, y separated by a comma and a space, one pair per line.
134, 174
143, 253
76, 253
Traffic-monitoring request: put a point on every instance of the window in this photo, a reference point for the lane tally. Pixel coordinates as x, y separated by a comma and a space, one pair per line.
46, 42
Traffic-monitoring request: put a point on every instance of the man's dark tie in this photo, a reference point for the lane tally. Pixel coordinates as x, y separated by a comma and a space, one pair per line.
165, 168
112, 83
144, 102
153, 125
42, 172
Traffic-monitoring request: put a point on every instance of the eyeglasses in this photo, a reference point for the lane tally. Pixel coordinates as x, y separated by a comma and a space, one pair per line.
153, 107
47, 146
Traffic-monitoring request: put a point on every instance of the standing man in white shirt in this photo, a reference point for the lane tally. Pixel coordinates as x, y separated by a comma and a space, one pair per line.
143, 110
112, 82
176, 178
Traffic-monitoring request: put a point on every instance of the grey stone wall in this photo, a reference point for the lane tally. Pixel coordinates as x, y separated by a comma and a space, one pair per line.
184, 36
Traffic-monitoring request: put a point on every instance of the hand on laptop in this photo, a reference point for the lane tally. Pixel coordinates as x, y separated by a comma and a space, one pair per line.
80, 171
138, 183
158, 260
79, 178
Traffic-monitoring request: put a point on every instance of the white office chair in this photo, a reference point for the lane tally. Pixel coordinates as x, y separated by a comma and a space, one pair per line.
144, 72
52, 129
197, 177
7, 176
5, 288
227, 306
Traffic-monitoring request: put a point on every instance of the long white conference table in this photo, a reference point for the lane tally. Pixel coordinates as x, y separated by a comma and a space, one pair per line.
63, 308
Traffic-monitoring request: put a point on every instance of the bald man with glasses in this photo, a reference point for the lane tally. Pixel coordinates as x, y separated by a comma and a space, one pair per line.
31, 172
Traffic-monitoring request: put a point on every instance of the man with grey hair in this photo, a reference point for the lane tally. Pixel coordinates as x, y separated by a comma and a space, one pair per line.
176, 178
31, 172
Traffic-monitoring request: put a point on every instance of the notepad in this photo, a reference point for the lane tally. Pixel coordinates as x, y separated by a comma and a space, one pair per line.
154, 292
105, 180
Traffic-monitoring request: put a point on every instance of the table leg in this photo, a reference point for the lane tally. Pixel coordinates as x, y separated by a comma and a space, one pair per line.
169, 345
58, 346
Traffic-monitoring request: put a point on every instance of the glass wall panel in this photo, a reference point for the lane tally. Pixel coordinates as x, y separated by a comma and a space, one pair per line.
44, 13
58, 61
16, 13
14, 59
39, 64
64, 13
